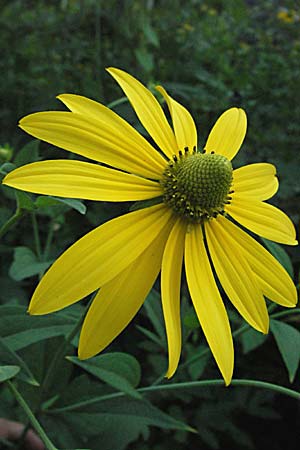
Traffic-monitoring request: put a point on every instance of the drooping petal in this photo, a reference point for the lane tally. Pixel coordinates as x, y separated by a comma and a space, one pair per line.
236, 276
272, 278
228, 133
118, 301
101, 141
208, 302
183, 123
257, 181
97, 258
77, 179
148, 111
101, 115
170, 290
263, 219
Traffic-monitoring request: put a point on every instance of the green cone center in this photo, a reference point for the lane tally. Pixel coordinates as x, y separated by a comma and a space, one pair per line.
197, 186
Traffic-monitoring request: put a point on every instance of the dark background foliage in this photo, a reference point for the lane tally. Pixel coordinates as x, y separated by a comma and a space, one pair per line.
210, 55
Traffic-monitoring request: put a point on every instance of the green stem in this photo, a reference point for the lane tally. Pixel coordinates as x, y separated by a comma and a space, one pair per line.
48, 241
34, 422
36, 236
192, 385
13, 219
117, 102
288, 312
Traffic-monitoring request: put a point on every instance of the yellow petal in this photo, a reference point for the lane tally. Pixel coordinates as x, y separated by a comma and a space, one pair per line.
119, 300
272, 279
102, 116
170, 290
97, 258
208, 302
148, 111
228, 133
103, 142
263, 219
77, 179
183, 123
257, 181
236, 276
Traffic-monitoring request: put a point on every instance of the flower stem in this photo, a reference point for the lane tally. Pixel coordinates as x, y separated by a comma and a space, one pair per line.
192, 385
10, 222
36, 236
117, 102
48, 241
285, 313
34, 422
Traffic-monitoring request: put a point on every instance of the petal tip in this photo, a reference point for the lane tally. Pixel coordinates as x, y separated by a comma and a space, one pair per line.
170, 373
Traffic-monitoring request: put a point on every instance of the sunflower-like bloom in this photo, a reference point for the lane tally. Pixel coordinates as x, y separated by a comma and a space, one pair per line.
199, 201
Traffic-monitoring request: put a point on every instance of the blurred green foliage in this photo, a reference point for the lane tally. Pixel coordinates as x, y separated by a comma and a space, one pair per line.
210, 55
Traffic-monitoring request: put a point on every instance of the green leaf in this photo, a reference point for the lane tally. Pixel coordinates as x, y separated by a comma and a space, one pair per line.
8, 356
119, 370
191, 321
288, 341
29, 153
7, 167
25, 338
141, 204
280, 254
120, 421
26, 264
145, 59
251, 339
150, 34
150, 335
19, 330
46, 201
8, 372
24, 201
152, 305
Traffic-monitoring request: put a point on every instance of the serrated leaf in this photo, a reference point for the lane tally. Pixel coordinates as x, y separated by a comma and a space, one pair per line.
46, 201
288, 341
8, 372
119, 370
26, 264
29, 153
280, 254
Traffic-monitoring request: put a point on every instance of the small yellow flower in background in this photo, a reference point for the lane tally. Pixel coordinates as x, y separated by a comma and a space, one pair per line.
287, 16
200, 199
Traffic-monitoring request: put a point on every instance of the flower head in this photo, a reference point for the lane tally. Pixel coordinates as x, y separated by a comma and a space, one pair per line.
201, 201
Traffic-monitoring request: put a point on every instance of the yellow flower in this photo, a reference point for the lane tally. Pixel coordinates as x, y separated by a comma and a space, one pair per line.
286, 16
199, 197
